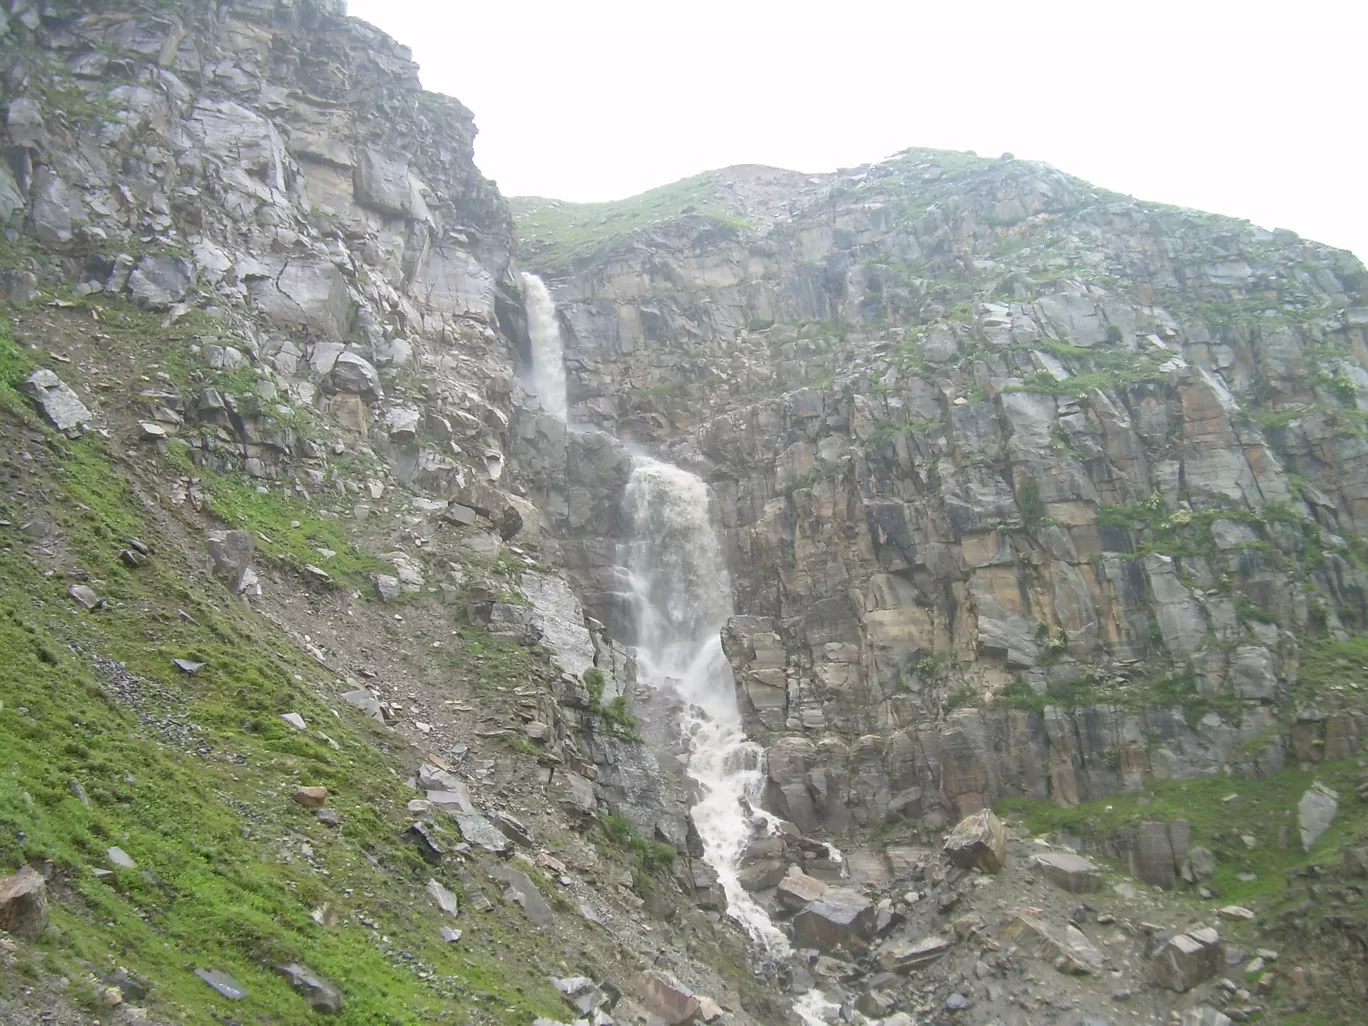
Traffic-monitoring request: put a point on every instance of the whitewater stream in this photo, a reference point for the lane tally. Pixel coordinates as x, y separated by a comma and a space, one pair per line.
681, 595
682, 598
548, 350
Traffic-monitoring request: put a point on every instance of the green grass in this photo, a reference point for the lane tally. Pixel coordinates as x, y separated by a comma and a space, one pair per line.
553, 233
1262, 808
194, 783
288, 531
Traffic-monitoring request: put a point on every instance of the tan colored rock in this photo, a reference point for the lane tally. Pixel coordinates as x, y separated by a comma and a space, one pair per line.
665, 997
796, 891
1069, 950
23, 904
312, 797
903, 956
978, 841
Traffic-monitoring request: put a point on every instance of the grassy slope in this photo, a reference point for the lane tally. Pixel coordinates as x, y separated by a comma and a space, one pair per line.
1262, 808
553, 233
198, 792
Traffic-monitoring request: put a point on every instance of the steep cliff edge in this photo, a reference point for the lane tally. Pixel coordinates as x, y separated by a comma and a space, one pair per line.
1032, 489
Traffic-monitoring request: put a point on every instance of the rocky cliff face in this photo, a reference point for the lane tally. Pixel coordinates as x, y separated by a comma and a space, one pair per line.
1028, 490
1031, 489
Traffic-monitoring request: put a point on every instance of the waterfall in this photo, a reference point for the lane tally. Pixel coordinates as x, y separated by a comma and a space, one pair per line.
682, 596
548, 351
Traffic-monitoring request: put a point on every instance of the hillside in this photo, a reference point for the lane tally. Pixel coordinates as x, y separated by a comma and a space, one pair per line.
339, 677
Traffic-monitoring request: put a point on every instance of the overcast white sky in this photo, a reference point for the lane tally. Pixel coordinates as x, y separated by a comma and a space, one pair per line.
1254, 109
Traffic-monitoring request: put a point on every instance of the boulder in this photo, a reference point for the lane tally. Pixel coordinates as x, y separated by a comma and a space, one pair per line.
321, 994
1154, 851
445, 899
1072, 873
161, 280
387, 587
840, 920
23, 904
1204, 1016
762, 875
978, 841
665, 997
1315, 812
1186, 959
231, 552
480, 832
1069, 951
494, 505
356, 376
311, 797
797, 890
1355, 862
61, 406
1199, 865
904, 955
366, 701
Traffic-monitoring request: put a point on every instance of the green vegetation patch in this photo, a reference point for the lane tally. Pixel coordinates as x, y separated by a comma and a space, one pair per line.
288, 531
553, 233
193, 776
1261, 809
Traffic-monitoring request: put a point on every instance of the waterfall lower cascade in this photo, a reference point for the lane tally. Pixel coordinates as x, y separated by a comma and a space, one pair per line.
682, 595
548, 350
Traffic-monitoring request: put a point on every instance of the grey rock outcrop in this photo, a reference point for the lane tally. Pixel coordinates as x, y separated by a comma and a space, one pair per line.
1315, 812
61, 406
840, 920
1186, 959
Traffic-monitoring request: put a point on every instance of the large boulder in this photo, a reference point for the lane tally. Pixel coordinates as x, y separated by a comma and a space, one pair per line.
496, 506
665, 997
1072, 873
798, 890
1068, 950
161, 279
1186, 959
978, 841
1315, 812
231, 552
903, 955
840, 920
355, 375
321, 994
23, 904
58, 403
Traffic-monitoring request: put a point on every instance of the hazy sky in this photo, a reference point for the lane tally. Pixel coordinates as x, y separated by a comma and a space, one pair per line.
1254, 109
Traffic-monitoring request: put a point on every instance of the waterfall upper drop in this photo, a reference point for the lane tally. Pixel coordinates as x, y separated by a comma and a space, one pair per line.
682, 596
548, 350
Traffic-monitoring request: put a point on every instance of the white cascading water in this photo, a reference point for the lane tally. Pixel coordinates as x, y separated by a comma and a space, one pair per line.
548, 350
682, 595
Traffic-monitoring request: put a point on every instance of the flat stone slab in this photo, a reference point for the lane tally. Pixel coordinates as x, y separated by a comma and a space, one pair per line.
223, 983
1072, 873
903, 956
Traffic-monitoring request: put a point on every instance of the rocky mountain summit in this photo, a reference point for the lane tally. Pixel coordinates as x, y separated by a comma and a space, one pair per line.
1032, 517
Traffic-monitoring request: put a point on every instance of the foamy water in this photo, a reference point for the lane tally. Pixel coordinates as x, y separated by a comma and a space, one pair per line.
682, 596
548, 349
